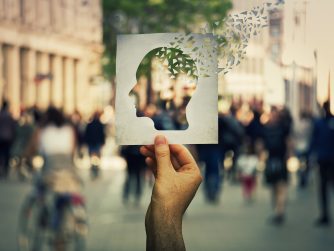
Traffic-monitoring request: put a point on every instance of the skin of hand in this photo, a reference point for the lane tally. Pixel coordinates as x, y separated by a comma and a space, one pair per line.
177, 178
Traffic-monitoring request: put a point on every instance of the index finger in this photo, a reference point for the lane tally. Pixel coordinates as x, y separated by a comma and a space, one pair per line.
182, 155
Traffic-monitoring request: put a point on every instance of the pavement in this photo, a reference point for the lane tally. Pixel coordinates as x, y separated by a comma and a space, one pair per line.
231, 225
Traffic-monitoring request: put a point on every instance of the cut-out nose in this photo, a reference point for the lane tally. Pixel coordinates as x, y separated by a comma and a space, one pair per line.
131, 93
133, 96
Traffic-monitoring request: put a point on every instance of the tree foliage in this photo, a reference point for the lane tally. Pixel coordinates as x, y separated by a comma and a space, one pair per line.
150, 16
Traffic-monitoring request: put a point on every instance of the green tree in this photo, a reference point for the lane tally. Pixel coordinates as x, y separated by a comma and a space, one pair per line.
150, 16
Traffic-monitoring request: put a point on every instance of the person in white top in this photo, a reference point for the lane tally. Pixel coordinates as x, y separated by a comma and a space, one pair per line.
57, 188
55, 140
247, 168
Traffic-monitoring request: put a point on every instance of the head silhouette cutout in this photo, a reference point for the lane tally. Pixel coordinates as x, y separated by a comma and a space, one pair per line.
166, 80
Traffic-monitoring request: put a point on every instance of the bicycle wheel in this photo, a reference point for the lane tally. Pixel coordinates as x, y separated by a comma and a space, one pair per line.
33, 219
72, 231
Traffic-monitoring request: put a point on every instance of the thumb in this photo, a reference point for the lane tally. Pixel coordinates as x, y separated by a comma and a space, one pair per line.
162, 154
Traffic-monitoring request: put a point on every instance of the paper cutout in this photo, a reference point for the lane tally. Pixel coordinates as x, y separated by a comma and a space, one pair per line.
199, 110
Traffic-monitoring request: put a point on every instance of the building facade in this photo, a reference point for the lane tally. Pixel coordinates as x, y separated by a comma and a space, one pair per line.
297, 60
320, 40
246, 81
50, 52
281, 64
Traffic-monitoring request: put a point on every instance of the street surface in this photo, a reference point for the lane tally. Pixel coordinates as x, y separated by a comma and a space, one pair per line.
232, 225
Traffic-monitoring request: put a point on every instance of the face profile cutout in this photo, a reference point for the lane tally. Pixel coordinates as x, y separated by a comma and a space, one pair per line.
166, 85
166, 80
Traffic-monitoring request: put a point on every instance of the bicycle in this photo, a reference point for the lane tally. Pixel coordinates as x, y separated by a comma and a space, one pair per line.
52, 220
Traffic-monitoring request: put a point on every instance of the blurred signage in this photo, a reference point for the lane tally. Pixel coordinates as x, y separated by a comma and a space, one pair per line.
40, 77
274, 93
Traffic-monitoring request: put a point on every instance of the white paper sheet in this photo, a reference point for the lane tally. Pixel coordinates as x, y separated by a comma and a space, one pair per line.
202, 114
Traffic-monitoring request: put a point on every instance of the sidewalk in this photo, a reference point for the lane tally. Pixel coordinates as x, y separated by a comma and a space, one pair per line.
232, 225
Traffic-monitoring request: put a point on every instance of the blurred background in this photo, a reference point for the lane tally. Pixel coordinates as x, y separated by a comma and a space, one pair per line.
63, 178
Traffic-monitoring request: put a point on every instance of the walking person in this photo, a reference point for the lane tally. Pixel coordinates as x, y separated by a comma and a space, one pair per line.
302, 135
7, 137
247, 169
231, 134
95, 139
19, 150
210, 156
322, 144
276, 134
135, 171
79, 128
254, 130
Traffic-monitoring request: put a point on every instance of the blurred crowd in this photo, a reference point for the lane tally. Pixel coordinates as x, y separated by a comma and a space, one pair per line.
166, 115
250, 139
45, 133
257, 142
254, 141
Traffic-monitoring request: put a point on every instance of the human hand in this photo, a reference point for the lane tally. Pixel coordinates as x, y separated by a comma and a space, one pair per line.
177, 178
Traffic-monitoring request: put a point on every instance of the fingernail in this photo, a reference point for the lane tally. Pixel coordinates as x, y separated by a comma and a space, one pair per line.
160, 140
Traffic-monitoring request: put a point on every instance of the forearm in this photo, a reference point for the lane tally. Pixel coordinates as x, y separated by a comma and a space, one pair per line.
163, 231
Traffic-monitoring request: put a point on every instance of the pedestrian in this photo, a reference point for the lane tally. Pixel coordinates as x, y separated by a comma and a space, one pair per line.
56, 142
247, 168
275, 136
231, 134
163, 118
58, 187
20, 152
95, 139
322, 144
210, 156
7, 137
254, 129
302, 136
135, 171
79, 128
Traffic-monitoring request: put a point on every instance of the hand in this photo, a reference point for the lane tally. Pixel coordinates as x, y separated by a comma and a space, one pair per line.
177, 179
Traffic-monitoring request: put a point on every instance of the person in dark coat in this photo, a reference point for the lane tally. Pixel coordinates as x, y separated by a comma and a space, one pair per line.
230, 135
94, 135
275, 136
95, 139
135, 170
7, 137
210, 156
79, 128
322, 144
254, 129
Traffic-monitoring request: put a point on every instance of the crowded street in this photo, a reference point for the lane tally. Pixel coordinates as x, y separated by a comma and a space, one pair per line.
230, 225
166, 125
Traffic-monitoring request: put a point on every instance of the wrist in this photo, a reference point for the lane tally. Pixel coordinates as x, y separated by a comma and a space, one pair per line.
165, 215
166, 211
162, 225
